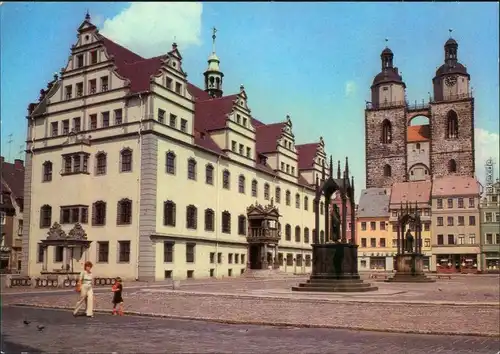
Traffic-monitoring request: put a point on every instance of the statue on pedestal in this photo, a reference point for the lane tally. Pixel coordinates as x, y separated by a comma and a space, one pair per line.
408, 242
336, 223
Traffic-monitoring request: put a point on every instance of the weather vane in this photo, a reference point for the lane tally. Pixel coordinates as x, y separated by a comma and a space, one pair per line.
450, 30
386, 41
214, 31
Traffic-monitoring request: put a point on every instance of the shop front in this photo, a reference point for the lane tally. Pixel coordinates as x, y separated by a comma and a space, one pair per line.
491, 262
457, 263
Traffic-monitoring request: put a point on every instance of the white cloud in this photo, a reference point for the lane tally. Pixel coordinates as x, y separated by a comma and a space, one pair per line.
149, 28
487, 146
350, 88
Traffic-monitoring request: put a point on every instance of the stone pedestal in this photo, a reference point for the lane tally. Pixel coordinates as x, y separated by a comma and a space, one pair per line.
335, 269
409, 269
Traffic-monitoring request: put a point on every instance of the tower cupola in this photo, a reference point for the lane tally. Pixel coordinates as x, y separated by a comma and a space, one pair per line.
213, 74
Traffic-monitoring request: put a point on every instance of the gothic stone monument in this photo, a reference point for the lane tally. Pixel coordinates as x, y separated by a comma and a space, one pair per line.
335, 260
409, 257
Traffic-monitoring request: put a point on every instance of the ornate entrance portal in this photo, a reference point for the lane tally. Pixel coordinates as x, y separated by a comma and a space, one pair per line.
263, 237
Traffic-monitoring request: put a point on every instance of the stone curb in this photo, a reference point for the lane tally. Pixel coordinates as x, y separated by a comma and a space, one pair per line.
276, 324
333, 300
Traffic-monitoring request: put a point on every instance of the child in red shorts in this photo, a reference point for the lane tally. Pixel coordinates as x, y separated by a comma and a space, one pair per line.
117, 296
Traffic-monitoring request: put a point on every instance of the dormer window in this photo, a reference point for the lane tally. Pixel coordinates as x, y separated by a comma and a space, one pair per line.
104, 83
79, 60
178, 87
93, 57
69, 92
169, 83
244, 122
238, 119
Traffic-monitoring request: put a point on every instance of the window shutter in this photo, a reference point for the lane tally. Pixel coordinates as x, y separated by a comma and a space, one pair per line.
94, 214
42, 209
174, 214
119, 211
130, 212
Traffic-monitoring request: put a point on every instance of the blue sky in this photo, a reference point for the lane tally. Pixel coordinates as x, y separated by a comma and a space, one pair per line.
293, 58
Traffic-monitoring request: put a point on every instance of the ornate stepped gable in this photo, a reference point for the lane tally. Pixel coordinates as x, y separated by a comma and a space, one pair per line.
210, 113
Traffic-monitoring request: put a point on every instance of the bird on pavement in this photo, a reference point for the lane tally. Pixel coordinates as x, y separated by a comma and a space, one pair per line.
26, 322
40, 327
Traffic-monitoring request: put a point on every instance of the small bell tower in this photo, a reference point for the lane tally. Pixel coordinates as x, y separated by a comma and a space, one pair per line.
213, 74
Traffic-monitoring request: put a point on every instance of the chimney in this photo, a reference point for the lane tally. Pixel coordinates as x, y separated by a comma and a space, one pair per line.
18, 164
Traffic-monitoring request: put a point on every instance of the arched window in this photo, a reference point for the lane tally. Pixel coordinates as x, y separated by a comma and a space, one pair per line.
314, 235
306, 203
169, 213
100, 163
321, 208
387, 171
306, 235
241, 184
209, 174
297, 233
99, 213
191, 217
288, 232
126, 160
45, 216
386, 132
192, 169
297, 201
278, 195
452, 166
47, 171
287, 197
170, 163
322, 237
254, 188
452, 125
242, 225
266, 191
417, 146
124, 212
226, 222
209, 220
226, 177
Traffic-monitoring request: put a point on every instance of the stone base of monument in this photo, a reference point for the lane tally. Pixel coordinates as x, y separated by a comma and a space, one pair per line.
335, 269
409, 269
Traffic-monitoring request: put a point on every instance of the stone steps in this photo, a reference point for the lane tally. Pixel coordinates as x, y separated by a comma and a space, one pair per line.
361, 288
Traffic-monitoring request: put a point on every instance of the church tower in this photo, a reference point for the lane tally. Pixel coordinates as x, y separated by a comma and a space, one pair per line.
385, 126
213, 74
452, 112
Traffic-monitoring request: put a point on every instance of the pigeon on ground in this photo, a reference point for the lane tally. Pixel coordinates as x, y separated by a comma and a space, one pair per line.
26, 322
40, 327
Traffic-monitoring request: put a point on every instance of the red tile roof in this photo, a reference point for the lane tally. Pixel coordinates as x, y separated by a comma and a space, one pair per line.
411, 192
455, 185
210, 113
307, 153
13, 176
418, 133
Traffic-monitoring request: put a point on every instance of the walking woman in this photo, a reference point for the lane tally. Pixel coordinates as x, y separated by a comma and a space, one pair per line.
86, 293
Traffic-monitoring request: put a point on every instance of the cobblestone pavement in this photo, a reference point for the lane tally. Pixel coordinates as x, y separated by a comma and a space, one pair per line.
64, 333
416, 318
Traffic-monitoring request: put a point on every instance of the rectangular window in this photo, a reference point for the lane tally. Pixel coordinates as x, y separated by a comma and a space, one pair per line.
233, 146
230, 258
373, 242
69, 92
54, 128
461, 221
248, 152
488, 217
489, 239
105, 119
472, 239
461, 203
92, 86
190, 250
461, 239
373, 225
497, 216
104, 84
472, 220
450, 203
219, 257
382, 242
58, 254
79, 61
93, 121
103, 251
65, 126
79, 89
40, 253
93, 57
178, 87
427, 242
439, 204
161, 116
363, 242
363, 226
440, 221
471, 203
124, 251
243, 259
289, 259
212, 257
236, 258
168, 252
173, 121
241, 149
118, 116
427, 226
382, 225
169, 83
450, 220
67, 164
77, 124
451, 239
440, 239
184, 125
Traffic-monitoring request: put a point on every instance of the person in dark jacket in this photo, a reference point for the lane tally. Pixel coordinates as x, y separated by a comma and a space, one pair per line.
117, 297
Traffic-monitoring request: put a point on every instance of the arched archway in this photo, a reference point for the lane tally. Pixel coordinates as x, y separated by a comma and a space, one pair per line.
452, 166
418, 120
418, 172
387, 171
451, 125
